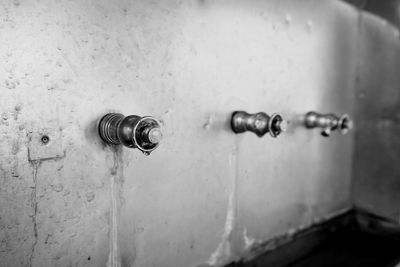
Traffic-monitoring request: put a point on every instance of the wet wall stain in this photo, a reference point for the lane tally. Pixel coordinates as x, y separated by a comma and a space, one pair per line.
116, 183
226, 250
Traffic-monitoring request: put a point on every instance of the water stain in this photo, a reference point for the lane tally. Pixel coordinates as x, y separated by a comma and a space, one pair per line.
116, 171
225, 251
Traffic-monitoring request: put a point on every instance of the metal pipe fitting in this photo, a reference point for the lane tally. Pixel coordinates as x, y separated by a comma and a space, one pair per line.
143, 133
328, 122
258, 123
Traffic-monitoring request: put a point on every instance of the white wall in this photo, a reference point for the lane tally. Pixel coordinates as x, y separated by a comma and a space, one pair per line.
206, 196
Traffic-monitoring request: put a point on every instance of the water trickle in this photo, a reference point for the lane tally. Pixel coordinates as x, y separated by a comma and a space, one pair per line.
116, 179
225, 250
249, 241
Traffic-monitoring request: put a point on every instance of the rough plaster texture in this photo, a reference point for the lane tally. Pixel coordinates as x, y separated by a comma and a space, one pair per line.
206, 196
376, 183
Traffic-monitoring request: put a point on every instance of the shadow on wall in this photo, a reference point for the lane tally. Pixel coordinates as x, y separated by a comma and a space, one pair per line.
388, 9
376, 183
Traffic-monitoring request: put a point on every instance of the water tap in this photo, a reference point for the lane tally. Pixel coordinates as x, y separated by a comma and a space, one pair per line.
328, 122
143, 133
258, 123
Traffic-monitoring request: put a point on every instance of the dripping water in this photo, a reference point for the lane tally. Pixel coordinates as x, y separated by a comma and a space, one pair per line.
116, 174
235, 185
226, 250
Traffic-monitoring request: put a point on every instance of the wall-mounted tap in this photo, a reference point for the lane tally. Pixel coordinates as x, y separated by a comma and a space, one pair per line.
328, 122
143, 133
258, 123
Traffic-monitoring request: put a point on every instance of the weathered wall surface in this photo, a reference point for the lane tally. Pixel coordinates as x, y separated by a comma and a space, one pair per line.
206, 195
377, 148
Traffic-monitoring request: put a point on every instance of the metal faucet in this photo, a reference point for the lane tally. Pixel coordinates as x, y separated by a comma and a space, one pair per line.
258, 123
328, 122
143, 133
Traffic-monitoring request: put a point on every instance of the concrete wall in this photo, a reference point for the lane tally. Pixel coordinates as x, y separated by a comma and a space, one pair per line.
377, 148
206, 196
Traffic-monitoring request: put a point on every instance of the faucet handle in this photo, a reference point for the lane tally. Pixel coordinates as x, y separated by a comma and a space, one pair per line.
143, 133
259, 123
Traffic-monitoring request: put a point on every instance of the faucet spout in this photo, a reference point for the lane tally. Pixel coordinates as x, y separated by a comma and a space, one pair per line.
328, 122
